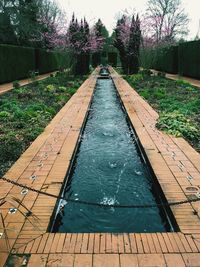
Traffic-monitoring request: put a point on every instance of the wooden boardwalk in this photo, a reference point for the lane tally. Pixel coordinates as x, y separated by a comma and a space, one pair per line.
45, 164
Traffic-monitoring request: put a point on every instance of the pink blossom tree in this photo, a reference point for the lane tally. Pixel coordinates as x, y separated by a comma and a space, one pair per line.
164, 22
82, 41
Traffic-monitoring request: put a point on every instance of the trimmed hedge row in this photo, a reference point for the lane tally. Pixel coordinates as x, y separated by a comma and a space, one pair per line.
162, 59
189, 59
183, 59
166, 59
49, 61
16, 62
112, 58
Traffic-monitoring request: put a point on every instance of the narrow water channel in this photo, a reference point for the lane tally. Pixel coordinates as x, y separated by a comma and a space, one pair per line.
109, 169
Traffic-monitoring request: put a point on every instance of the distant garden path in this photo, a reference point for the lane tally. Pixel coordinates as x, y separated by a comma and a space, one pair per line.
9, 86
175, 77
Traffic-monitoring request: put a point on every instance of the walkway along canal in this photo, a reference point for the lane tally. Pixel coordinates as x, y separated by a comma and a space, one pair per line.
174, 162
109, 169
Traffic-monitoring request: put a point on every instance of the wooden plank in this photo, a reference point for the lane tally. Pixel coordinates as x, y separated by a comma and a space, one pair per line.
121, 247
61, 243
84, 247
37, 260
145, 243
106, 260
55, 243
48, 243
133, 243
179, 243
83, 260
173, 242
151, 243
129, 260
3, 258
185, 242
60, 260
91, 243
96, 243
114, 243
42, 243
78, 243
127, 244
156, 243
29, 247
108, 243
151, 260
196, 239
102, 243
36, 245
139, 243
66, 245
174, 260
191, 243
162, 243
191, 259
72, 243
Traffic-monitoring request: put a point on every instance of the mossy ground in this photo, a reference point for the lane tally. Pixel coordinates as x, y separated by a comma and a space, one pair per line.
177, 102
26, 111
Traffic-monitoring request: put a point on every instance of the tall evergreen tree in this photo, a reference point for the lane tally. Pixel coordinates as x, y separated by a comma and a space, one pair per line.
7, 34
119, 42
134, 46
127, 41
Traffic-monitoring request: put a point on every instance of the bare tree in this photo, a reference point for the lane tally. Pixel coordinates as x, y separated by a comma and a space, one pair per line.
165, 20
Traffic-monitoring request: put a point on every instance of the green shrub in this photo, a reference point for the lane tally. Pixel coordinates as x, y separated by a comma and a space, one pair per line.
4, 115
146, 72
159, 93
161, 74
50, 88
136, 77
145, 94
182, 83
16, 84
177, 124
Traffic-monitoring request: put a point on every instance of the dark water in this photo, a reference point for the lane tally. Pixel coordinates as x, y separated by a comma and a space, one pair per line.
109, 169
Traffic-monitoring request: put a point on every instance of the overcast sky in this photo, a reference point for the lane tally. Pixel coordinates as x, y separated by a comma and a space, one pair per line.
107, 10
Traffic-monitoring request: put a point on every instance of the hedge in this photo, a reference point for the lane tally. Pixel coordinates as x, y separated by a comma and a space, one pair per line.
96, 59
183, 59
50, 61
189, 59
16, 62
162, 59
112, 59
169, 59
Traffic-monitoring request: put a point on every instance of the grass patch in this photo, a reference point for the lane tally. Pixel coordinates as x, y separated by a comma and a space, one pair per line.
26, 111
177, 102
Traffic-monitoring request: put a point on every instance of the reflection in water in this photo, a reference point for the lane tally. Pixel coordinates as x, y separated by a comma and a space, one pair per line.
109, 170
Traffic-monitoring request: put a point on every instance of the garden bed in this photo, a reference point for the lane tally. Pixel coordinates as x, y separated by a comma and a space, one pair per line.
26, 111
177, 102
